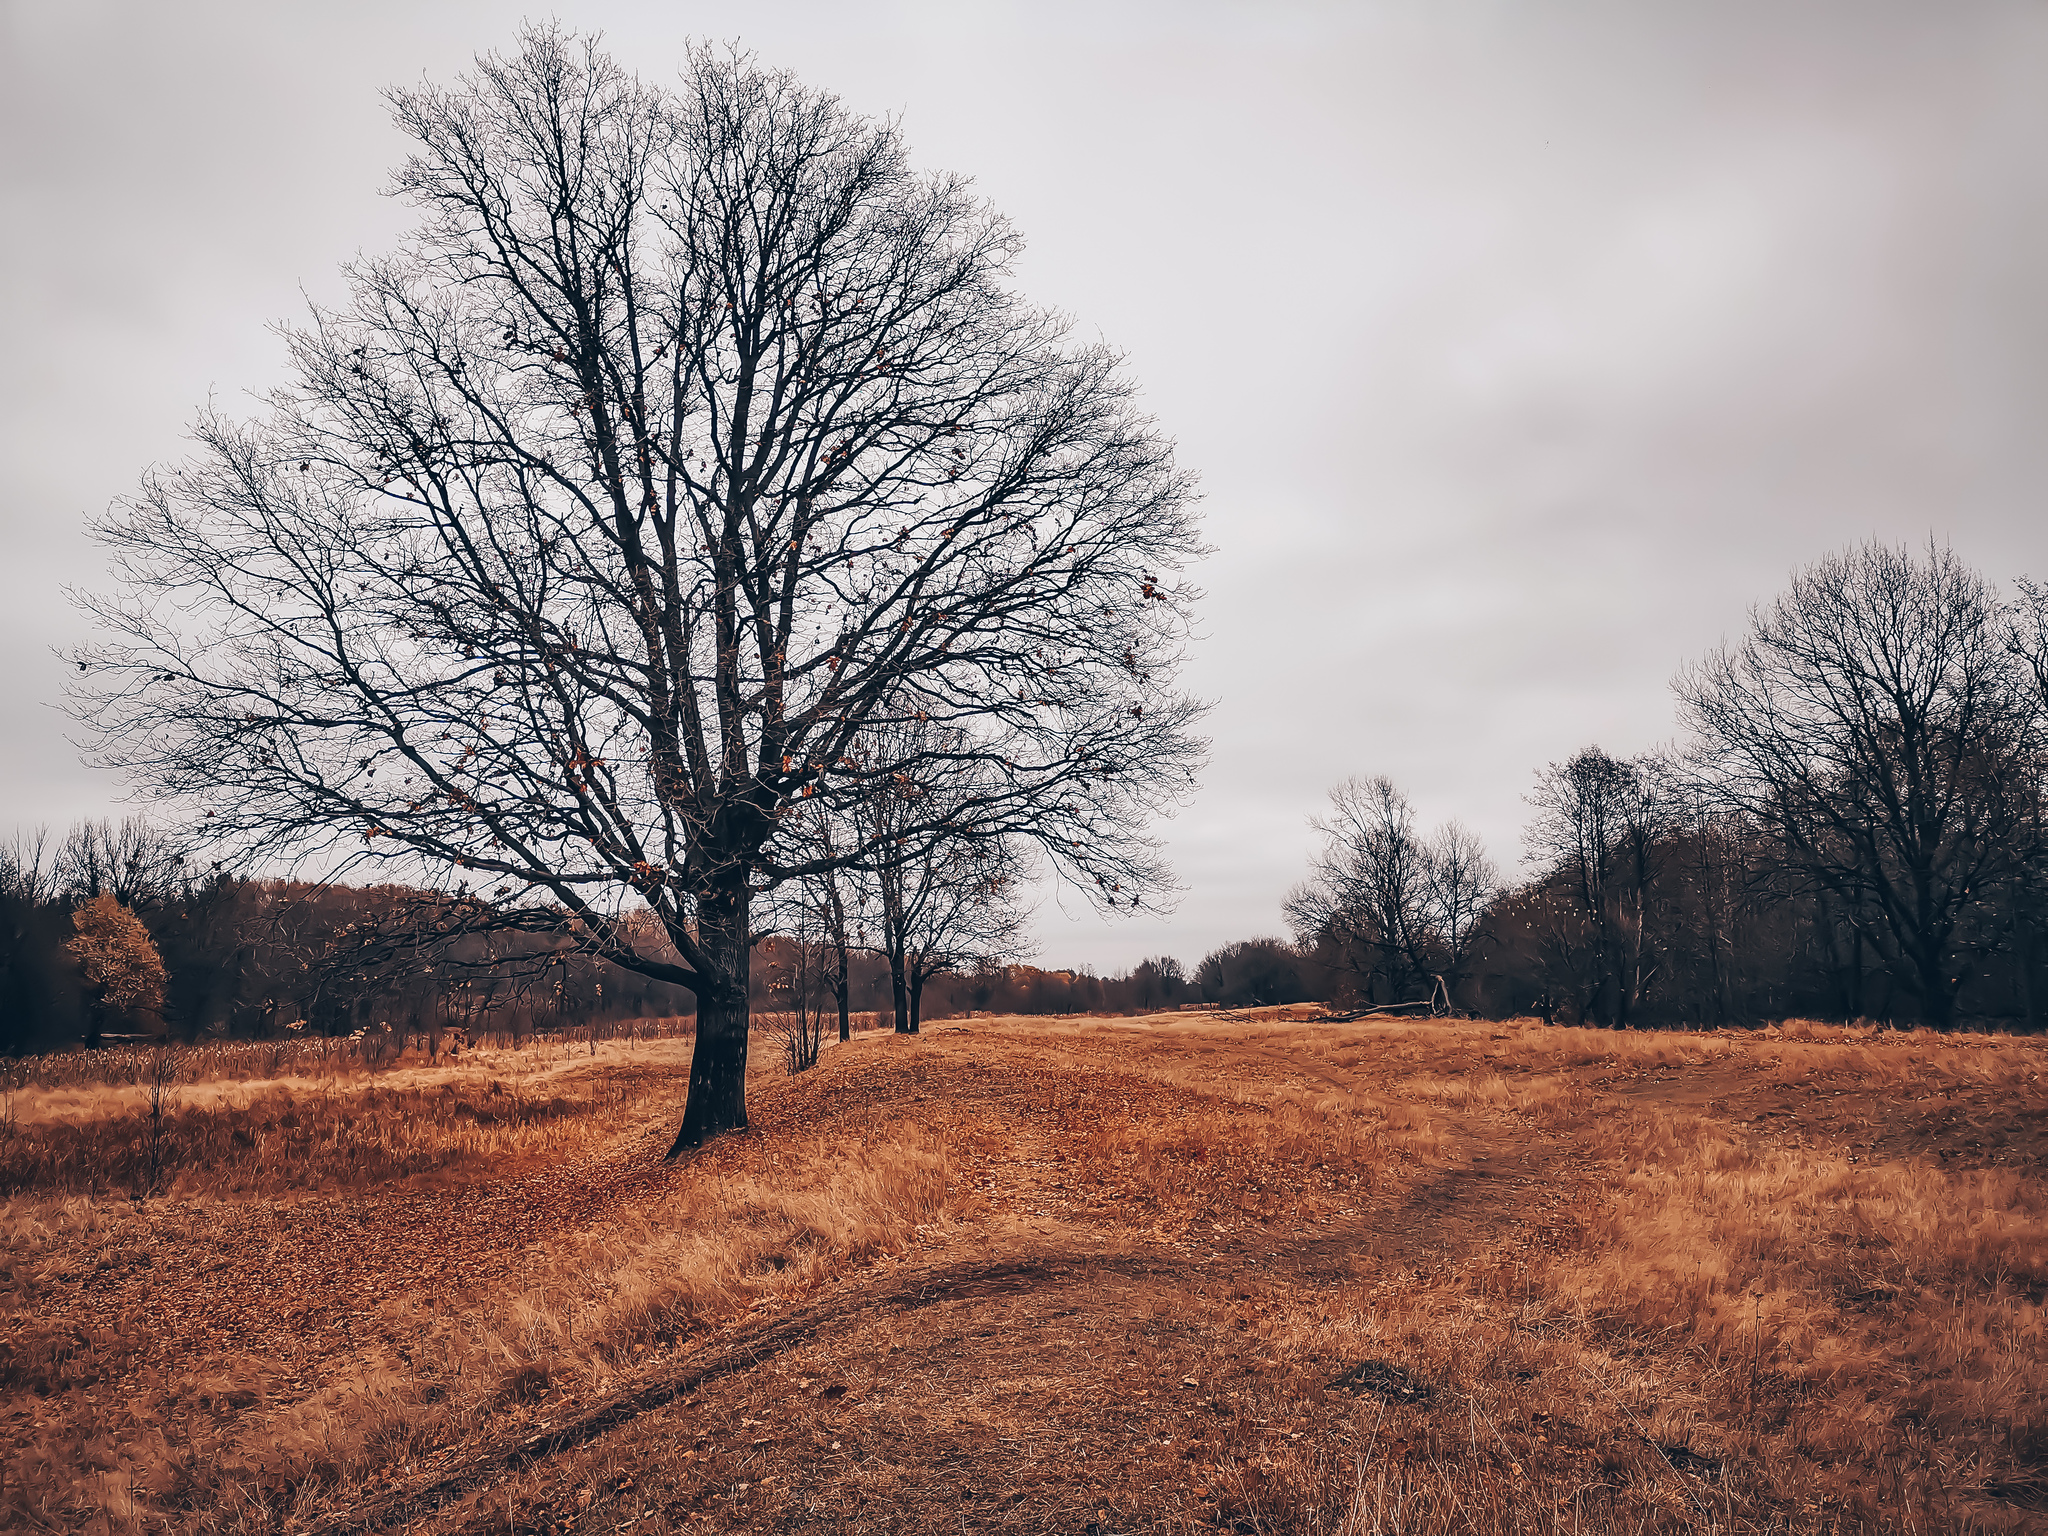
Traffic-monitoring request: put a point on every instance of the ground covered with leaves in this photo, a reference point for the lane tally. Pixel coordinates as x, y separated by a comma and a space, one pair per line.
1248, 1273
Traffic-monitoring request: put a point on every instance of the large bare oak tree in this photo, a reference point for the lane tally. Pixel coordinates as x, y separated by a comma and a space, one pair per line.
692, 434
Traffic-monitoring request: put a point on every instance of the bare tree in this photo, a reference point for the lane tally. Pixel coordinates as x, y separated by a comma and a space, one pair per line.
937, 904
839, 899
1399, 909
1368, 890
2026, 634
959, 908
1461, 882
1597, 831
1158, 981
798, 981
1710, 849
2027, 638
1879, 728
834, 901
133, 860
26, 872
690, 435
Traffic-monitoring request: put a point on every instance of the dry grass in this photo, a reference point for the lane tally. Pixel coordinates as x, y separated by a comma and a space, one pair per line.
300, 1056
410, 1121
242, 1119
599, 1306
114, 1431
1711, 1282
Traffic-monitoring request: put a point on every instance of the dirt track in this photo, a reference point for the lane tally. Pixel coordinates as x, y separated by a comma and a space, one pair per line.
1073, 1367
1056, 1314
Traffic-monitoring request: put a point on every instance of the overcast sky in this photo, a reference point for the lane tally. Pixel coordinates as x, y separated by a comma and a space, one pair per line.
1519, 348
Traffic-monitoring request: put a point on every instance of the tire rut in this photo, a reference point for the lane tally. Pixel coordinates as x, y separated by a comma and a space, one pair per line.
734, 1355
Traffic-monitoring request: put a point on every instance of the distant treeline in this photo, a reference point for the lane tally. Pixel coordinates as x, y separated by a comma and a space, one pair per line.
263, 959
1652, 911
1855, 824
258, 958
1237, 975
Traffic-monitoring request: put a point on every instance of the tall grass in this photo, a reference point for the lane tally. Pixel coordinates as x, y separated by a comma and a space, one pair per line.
306, 1136
304, 1056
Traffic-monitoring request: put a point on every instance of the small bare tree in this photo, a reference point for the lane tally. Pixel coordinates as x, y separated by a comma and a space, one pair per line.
1368, 889
834, 901
26, 872
1461, 882
937, 905
692, 434
1597, 835
163, 1076
960, 910
1398, 909
133, 860
841, 900
799, 983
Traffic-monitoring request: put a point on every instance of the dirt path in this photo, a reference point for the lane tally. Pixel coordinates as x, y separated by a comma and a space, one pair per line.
1059, 1328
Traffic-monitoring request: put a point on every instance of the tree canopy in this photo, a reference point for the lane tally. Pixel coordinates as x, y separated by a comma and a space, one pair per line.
690, 435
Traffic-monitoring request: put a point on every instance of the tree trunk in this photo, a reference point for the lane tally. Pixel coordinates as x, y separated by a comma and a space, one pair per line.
1937, 997
899, 991
1826, 931
916, 999
1856, 1008
835, 918
2023, 958
839, 991
1720, 980
1631, 991
718, 1063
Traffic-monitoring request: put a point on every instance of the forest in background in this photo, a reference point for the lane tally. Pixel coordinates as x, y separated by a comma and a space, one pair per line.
257, 959
1850, 825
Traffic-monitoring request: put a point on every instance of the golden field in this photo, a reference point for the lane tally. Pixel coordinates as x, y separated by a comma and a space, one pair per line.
1262, 1272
